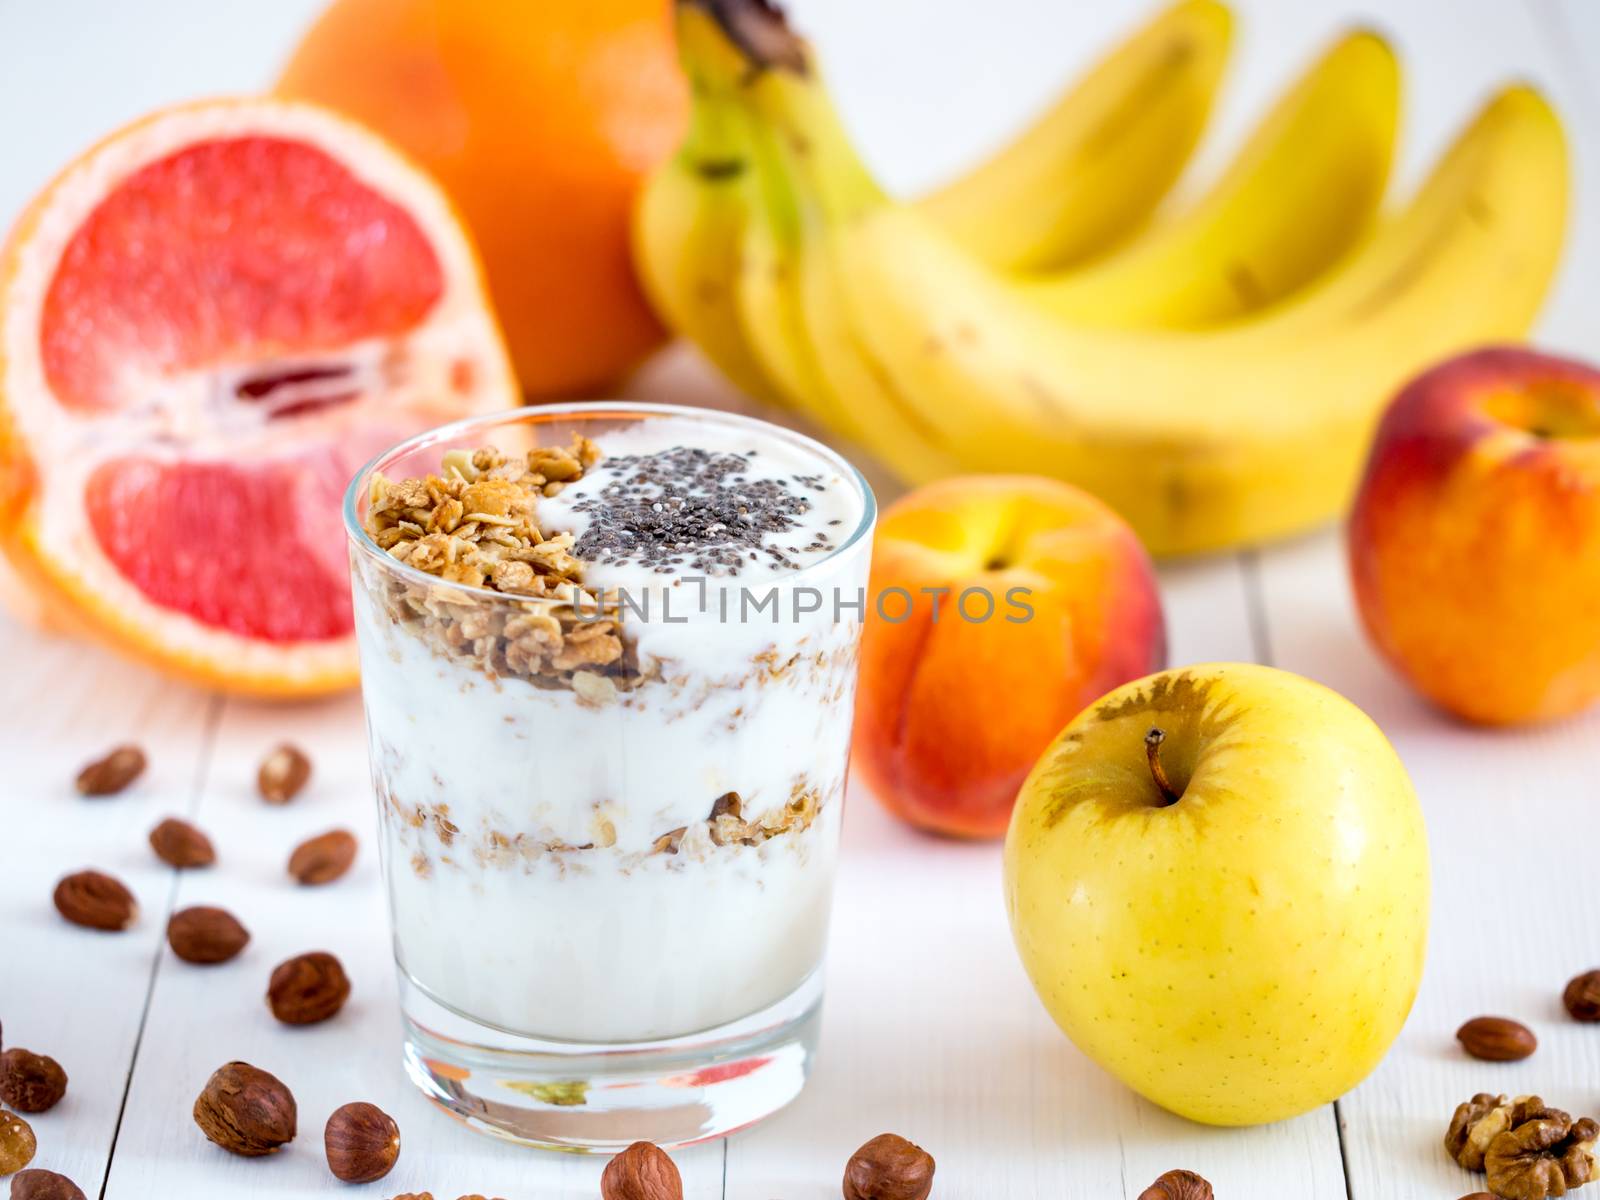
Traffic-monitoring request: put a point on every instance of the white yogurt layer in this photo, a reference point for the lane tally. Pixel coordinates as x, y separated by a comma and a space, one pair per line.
523, 825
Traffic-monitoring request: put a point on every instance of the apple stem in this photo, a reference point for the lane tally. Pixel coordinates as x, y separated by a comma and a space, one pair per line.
1152, 752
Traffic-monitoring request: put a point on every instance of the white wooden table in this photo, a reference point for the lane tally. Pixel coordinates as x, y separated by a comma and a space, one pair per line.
930, 1029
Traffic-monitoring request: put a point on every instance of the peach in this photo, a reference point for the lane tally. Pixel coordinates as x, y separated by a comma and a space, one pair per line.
1474, 545
1000, 607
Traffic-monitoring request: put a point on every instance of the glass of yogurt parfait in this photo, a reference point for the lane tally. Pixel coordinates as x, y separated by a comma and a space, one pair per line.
608, 657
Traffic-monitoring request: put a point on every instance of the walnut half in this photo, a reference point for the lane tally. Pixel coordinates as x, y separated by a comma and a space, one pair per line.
1475, 1124
1544, 1153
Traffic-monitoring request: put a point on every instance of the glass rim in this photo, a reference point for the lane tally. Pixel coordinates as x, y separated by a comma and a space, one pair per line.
596, 410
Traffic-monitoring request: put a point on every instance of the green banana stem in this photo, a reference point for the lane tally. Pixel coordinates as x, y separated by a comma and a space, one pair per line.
818, 154
715, 147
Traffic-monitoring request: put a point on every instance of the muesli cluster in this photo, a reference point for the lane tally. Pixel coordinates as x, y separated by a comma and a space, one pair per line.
476, 523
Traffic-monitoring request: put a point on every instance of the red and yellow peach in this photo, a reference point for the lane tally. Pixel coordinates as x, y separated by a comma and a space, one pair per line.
1000, 607
1474, 544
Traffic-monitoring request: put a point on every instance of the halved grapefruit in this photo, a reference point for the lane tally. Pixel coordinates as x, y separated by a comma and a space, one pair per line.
207, 323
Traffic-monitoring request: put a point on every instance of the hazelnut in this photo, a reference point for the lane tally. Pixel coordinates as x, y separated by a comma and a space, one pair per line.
888, 1168
1178, 1185
308, 988
179, 844
1497, 1039
17, 1143
1582, 996
95, 901
109, 775
362, 1143
44, 1185
283, 774
31, 1083
641, 1172
323, 859
246, 1111
206, 935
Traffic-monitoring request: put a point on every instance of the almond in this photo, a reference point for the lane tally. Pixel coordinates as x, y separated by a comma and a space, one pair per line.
179, 844
1497, 1039
206, 935
109, 775
283, 774
96, 901
323, 859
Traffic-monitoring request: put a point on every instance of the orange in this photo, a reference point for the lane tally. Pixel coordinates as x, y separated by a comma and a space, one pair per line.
208, 322
541, 120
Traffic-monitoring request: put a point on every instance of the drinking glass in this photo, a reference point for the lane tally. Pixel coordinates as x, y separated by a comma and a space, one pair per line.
609, 893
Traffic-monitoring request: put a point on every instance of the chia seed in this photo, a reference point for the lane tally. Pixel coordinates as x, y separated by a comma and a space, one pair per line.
690, 503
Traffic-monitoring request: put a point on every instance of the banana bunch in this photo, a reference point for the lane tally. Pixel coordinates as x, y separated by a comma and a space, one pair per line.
1213, 375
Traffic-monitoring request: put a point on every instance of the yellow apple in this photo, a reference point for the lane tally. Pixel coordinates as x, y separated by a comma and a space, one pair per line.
1217, 879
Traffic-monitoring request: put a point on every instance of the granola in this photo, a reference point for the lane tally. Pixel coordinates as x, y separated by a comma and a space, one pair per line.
723, 826
476, 524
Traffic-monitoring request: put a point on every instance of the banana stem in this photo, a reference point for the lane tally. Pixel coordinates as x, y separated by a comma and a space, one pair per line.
760, 30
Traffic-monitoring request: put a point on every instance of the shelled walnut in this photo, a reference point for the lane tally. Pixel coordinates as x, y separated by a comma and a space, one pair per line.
1528, 1150
1544, 1153
1476, 1123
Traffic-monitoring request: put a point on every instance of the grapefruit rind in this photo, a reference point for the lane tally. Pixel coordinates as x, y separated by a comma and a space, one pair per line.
458, 366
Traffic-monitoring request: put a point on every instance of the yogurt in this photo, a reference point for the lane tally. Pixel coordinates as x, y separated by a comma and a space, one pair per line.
643, 847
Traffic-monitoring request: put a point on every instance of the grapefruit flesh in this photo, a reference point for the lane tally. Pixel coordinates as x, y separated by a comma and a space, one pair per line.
172, 530
207, 325
229, 251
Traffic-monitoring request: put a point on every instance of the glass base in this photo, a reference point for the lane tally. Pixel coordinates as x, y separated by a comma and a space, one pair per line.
603, 1097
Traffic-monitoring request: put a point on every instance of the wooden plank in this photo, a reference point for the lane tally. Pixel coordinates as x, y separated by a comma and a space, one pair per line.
932, 1030
76, 994
1511, 906
203, 1017
1491, 799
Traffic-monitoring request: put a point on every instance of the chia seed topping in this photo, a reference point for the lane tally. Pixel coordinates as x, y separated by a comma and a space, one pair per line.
691, 510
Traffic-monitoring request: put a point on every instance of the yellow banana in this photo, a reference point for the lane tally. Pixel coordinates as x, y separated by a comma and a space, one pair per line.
865, 396
768, 288
1090, 172
689, 221
1087, 173
1301, 193
1203, 440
